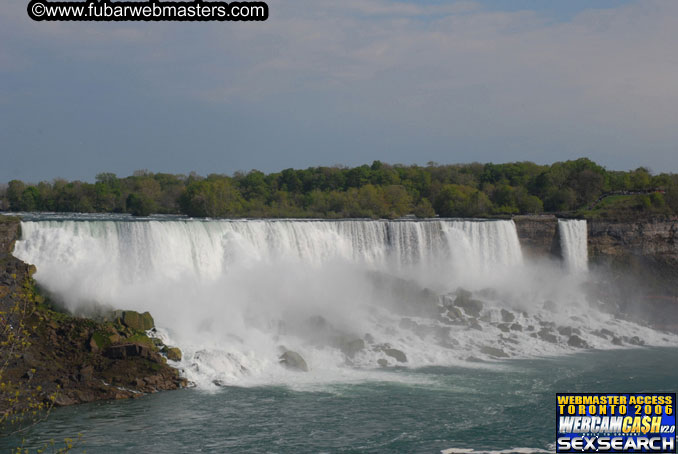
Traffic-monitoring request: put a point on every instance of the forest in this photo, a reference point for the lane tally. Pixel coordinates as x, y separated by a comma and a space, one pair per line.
571, 188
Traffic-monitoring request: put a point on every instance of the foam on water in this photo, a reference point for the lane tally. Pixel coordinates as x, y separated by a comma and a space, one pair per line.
234, 294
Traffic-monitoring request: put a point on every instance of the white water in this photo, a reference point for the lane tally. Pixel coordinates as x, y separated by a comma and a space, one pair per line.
573, 241
232, 293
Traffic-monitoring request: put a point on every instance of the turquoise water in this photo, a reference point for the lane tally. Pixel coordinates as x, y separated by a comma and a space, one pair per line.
507, 406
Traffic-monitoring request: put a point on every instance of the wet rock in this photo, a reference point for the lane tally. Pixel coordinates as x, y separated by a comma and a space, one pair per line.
173, 354
351, 347
473, 324
369, 338
137, 321
577, 342
455, 314
382, 362
545, 334
293, 361
507, 316
396, 354
635, 340
504, 327
494, 352
516, 327
470, 306
568, 330
617, 341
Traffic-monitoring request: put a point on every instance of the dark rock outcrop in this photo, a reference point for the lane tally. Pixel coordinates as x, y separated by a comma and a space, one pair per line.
65, 359
538, 235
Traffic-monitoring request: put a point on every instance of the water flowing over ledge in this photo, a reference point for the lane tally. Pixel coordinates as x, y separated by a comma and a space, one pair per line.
346, 296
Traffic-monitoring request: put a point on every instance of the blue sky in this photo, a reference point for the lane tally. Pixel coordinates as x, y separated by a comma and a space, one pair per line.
325, 82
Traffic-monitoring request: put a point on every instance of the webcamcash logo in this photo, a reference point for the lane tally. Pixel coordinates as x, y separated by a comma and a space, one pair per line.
614, 422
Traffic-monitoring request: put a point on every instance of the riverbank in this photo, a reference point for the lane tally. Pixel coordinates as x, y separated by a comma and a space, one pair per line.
53, 358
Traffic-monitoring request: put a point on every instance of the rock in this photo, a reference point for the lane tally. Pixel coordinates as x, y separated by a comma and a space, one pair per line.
577, 342
382, 362
62, 400
93, 345
617, 341
86, 373
635, 340
127, 351
352, 347
507, 316
516, 327
470, 306
504, 327
473, 324
494, 352
455, 314
173, 354
546, 335
568, 330
293, 361
396, 354
137, 321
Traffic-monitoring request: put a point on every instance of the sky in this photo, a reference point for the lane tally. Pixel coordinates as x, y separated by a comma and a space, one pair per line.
342, 82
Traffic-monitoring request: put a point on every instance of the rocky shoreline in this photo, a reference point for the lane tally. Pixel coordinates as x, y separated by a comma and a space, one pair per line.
62, 359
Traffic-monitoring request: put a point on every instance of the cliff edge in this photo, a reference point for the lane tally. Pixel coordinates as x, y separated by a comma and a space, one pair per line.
52, 358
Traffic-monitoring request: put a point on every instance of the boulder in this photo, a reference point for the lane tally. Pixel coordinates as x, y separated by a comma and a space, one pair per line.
398, 355
545, 334
473, 324
454, 313
516, 327
173, 354
382, 362
577, 342
470, 306
293, 361
635, 340
351, 347
568, 330
504, 327
507, 316
137, 321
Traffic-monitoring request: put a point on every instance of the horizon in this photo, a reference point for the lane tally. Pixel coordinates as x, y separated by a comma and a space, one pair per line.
133, 173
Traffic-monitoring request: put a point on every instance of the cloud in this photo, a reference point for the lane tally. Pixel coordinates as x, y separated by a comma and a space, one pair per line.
457, 80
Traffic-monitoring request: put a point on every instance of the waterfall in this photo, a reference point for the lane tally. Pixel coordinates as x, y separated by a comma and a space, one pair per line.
573, 243
233, 293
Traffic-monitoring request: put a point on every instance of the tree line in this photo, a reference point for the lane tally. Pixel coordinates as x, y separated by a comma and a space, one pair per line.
378, 190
